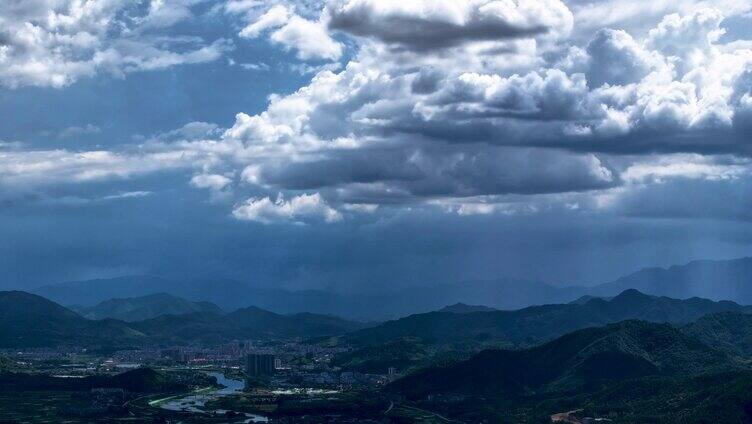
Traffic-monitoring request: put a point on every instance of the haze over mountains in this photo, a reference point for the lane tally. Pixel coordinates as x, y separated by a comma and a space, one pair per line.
716, 280
29, 319
230, 295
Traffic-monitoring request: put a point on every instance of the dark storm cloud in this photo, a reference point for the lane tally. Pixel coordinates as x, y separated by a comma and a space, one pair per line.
742, 98
455, 140
427, 81
423, 34
432, 169
615, 59
725, 199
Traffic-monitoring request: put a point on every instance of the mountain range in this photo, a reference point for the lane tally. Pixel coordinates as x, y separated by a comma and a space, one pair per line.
535, 324
627, 372
144, 307
581, 359
715, 280
244, 323
231, 295
29, 320
461, 308
590, 353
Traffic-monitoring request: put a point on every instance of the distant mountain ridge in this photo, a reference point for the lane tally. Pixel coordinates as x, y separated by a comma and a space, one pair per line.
461, 308
28, 320
244, 323
231, 295
714, 280
144, 307
536, 324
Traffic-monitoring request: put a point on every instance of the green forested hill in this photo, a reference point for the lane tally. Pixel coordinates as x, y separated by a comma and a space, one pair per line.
533, 325
728, 331
145, 307
582, 360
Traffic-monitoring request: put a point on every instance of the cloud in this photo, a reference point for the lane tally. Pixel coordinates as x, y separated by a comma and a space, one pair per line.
379, 133
615, 58
128, 195
309, 38
687, 166
494, 101
300, 142
436, 24
687, 40
742, 100
641, 16
276, 17
24, 170
299, 209
213, 182
77, 201
76, 131
261, 66
698, 197
166, 13
54, 44
192, 131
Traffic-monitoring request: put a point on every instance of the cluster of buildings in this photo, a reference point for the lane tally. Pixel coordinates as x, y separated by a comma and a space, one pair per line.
286, 364
266, 365
261, 364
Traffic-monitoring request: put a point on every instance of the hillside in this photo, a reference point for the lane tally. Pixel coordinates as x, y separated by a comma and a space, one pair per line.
529, 326
728, 331
582, 360
302, 324
708, 398
404, 355
250, 322
144, 307
28, 320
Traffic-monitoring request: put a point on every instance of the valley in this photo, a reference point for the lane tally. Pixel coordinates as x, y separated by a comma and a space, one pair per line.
623, 358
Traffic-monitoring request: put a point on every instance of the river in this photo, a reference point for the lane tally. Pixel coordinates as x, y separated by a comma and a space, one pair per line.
194, 402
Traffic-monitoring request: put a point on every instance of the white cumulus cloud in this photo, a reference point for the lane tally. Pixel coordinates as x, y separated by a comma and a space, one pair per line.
55, 43
299, 209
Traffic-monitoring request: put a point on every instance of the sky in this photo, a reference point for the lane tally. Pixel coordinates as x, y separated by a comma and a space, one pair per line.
366, 145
